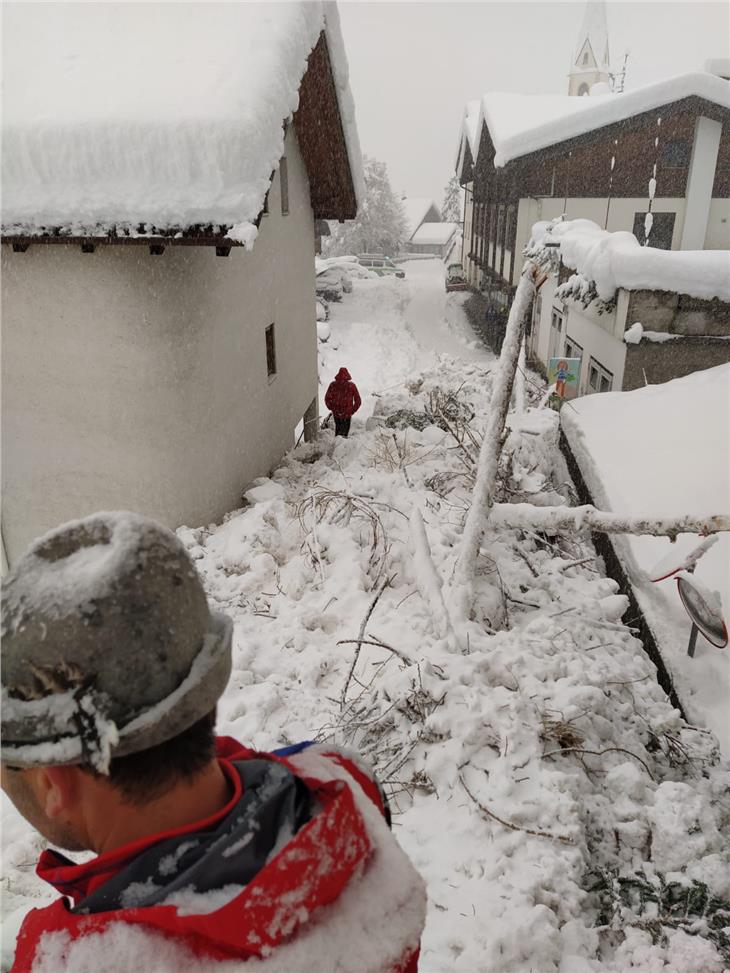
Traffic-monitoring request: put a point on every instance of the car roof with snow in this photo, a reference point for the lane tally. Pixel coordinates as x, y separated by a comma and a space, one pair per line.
142, 118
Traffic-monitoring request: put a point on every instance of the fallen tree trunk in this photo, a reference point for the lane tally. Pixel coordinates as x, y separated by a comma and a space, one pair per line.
587, 518
519, 403
486, 478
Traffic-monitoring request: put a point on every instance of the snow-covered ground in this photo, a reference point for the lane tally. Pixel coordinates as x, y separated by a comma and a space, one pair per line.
664, 450
541, 781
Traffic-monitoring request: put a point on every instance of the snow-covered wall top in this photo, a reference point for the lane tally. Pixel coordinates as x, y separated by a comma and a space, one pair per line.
520, 124
166, 115
613, 260
661, 451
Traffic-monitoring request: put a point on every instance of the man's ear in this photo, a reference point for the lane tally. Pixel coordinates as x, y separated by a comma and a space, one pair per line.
56, 789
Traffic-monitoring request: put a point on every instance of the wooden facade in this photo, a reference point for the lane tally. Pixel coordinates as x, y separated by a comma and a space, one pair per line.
581, 168
318, 124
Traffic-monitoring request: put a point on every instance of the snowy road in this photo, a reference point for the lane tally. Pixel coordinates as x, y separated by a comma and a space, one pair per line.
435, 318
389, 330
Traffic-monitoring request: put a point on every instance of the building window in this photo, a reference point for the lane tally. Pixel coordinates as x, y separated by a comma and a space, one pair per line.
675, 154
556, 333
572, 348
662, 230
270, 351
599, 378
585, 58
284, 185
498, 239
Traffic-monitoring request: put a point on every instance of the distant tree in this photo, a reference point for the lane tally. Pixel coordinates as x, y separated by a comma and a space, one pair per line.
451, 209
380, 225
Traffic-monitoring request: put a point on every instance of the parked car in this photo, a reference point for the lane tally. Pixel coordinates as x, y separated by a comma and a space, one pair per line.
456, 278
379, 264
332, 281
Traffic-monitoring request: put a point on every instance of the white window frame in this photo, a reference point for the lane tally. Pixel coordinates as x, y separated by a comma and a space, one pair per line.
574, 346
602, 374
571, 349
557, 320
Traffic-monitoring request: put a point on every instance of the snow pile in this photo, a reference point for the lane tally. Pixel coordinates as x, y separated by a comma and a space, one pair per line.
634, 334
536, 774
183, 128
520, 124
663, 451
612, 260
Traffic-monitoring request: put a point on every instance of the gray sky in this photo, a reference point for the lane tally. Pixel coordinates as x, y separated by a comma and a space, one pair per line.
413, 65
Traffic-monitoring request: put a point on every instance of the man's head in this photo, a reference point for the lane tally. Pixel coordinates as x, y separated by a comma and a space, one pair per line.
62, 802
112, 665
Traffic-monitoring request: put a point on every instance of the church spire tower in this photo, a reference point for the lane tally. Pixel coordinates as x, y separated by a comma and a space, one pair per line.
590, 63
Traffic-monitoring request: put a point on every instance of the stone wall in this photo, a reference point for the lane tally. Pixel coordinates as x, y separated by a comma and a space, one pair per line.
678, 313
655, 362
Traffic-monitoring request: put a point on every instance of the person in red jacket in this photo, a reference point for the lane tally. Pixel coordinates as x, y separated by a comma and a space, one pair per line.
206, 851
343, 401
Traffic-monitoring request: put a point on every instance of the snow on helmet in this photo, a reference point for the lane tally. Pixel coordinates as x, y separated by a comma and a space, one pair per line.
109, 646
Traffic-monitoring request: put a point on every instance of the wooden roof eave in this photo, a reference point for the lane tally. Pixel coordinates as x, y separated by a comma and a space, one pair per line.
321, 138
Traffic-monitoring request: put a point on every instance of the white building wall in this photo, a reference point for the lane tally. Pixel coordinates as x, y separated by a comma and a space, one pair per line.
596, 334
466, 236
600, 335
718, 225
701, 176
140, 382
620, 214
541, 338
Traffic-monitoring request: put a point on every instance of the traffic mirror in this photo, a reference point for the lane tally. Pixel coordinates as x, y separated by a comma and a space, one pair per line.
702, 608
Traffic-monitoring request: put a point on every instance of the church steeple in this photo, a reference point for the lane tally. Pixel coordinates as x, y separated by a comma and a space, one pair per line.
590, 62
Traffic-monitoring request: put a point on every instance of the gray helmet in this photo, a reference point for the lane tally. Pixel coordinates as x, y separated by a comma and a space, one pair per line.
108, 646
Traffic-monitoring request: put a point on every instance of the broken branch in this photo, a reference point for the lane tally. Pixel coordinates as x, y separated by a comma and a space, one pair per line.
588, 518
361, 636
514, 827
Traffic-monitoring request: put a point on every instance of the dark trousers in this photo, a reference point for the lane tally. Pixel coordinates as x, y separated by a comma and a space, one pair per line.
342, 426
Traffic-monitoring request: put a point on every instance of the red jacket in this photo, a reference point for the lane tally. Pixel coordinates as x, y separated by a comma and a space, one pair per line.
342, 398
299, 832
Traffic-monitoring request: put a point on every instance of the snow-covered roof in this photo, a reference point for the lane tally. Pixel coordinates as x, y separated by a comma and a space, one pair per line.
434, 233
519, 124
160, 114
471, 125
469, 133
614, 260
416, 210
